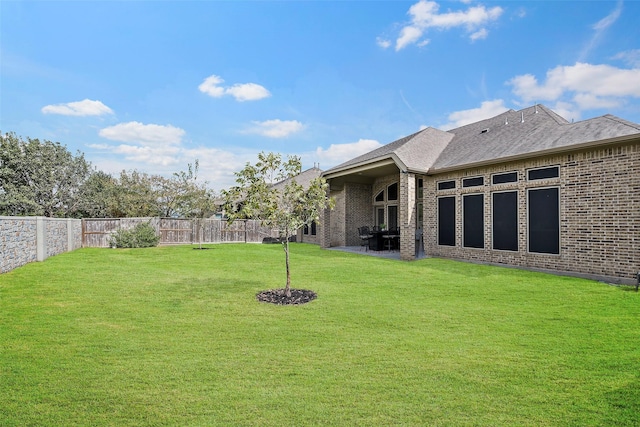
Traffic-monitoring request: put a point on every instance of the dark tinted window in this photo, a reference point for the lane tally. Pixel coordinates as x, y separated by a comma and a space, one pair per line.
544, 221
473, 221
380, 196
503, 178
446, 185
473, 182
392, 192
447, 221
546, 173
505, 221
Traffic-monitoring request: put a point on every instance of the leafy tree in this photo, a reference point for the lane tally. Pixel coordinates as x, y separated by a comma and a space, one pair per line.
39, 178
96, 197
135, 195
192, 199
268, 191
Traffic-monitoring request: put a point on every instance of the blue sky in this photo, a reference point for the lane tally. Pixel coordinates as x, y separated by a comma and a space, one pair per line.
154, 85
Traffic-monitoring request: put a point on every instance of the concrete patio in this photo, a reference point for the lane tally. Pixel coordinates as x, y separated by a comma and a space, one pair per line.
394, 254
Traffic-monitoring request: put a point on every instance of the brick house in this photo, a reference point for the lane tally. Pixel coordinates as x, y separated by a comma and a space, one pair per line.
525, 188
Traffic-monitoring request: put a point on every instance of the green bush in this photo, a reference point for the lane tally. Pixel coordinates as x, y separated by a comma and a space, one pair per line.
142, 235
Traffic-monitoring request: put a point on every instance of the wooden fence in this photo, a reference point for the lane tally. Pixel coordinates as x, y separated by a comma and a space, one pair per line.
96, 232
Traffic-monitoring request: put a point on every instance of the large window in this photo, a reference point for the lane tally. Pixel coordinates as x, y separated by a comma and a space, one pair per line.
473, 221
543, 206
392, 192
392, 216
447, 221
379, 215
505, 221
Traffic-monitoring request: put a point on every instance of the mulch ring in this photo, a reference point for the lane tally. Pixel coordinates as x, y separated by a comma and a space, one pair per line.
276, 296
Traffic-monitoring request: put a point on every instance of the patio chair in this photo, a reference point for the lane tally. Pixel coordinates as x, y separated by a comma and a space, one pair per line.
392, 239
365, 236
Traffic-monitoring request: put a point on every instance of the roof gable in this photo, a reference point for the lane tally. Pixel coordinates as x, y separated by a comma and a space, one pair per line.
524, 133
512, 134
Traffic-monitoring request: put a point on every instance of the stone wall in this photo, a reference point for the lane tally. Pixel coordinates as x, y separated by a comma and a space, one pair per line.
28, 239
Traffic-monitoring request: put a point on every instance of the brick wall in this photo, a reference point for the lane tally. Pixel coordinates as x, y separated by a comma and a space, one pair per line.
599, 213
359, 211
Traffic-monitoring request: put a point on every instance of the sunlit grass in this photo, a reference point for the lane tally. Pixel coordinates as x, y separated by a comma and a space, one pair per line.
175, 336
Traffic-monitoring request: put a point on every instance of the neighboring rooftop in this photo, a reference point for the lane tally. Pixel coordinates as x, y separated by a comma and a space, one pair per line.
304, 178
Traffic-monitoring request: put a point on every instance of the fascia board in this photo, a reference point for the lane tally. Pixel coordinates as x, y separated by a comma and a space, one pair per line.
360, 167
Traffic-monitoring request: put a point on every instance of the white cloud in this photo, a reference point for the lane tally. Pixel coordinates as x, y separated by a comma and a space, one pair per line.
424, 15
217, 166
579, 79
481, 34
240, 91
145, 135
566, 110
610, 19
486, 110
248, 92
146, 144
600, 28
408, 35
383, 43
339, 153
630, 57
275, 128
211, 88
86, 107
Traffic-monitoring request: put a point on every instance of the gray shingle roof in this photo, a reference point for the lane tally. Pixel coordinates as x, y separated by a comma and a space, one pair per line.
526, 132
509, 135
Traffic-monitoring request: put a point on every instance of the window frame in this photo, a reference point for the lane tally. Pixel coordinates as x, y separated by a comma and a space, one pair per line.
504, 174
528, 171
447, 181
438, 229
471, 179
466, 219
517, 222
559, 220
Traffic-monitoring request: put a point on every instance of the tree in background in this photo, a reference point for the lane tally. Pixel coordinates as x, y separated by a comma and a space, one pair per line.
43, 178
39, 178
286, 207
96, 197
135, 195
192, 199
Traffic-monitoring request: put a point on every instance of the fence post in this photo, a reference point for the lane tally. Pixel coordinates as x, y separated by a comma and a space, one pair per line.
69, 234
41, 241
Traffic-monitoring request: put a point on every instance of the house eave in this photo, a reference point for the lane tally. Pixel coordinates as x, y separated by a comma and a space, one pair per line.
364, 167
547, 152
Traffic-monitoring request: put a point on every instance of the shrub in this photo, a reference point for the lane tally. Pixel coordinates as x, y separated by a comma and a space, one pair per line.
142, 235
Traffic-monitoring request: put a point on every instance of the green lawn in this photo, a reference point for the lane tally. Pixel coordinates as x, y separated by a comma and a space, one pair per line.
174, 336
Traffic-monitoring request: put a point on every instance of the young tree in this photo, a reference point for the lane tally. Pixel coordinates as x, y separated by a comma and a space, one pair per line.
268, 191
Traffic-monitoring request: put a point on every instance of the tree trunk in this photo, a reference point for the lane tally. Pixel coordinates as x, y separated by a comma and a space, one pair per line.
287, 289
